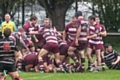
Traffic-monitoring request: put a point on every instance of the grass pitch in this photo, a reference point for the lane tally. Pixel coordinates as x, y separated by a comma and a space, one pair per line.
107, 75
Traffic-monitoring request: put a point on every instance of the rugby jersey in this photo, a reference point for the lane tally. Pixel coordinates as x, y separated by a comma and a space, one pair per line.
83, 25
109, 58
7, 48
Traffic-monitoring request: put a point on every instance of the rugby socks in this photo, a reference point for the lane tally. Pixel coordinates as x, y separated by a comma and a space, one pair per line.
83, 62
82, 68
66, 64
98, 68
41, 66
75, 59
92, 67
4, 73
89, 66
61, 67
103, 64
19, 64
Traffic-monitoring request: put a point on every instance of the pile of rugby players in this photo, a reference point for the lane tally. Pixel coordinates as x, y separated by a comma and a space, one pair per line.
44, 49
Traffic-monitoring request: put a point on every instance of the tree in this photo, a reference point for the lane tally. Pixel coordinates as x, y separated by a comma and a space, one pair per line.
8, 6
109, 13
11, 6
56, 10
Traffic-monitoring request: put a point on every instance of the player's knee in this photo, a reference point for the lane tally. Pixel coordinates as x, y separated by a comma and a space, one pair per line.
81, 52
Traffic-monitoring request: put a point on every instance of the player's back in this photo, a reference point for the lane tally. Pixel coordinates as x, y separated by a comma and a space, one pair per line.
84, 26
7, 48
50, 35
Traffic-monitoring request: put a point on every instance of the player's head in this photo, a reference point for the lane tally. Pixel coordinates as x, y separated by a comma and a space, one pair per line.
91, 19
33, 19
7, 32
108, 47
97, 19
47, 22
78, 13
7, 17
21, 30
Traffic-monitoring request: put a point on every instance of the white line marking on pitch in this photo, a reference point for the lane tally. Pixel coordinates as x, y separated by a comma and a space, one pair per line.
33, 78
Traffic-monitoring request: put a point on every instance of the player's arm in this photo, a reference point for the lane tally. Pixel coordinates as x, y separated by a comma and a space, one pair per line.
23, 43
104, 33
33, 32
92, 36
59, 34
56, 32
64, 36
77, 36
17, 53
117, 60
41, 29
78, 33
96, 33
36, 40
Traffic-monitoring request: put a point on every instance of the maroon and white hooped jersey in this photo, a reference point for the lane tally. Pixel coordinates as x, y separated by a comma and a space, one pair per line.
27, 28
39, 36
16, 35
102, 28
48, 34
84, 26
94, 30
71, 31
61, 42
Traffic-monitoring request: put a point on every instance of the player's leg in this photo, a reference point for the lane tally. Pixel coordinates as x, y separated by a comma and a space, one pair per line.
63, 55
2, 77
102, 57
82, 69
62, 58
40, 60
89, 65
88, 53
13, 73
15, 76
57, 60
19, 62
98, 59
28, 67
73, 55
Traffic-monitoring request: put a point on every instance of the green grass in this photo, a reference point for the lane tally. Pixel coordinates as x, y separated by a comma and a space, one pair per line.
107, 75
